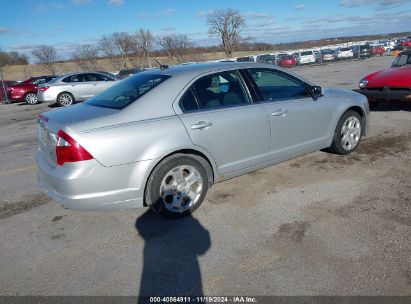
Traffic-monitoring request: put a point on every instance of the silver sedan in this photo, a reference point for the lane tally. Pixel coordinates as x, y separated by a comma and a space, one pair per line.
161, 138
70, 88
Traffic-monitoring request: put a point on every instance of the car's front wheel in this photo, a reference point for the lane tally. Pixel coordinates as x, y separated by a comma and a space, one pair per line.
65, 99
177, 186
347, 134
30, 98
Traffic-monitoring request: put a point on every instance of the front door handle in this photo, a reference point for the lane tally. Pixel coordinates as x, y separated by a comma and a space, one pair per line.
280, 112
201, 125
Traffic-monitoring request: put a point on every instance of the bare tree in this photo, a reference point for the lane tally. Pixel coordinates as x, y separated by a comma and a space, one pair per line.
47, 56
117, 48
144, 40
227, 25
86, 57
175, 46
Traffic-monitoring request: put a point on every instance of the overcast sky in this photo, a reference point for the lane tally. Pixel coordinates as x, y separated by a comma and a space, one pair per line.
25, 24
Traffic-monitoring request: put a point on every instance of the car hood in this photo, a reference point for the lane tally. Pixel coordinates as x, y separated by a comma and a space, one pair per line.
331, 92
395, 77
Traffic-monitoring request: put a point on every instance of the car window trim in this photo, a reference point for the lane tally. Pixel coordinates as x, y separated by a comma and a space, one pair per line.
288, 76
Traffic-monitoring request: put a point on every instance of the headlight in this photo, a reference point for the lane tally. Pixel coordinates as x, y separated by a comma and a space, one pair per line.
363, 83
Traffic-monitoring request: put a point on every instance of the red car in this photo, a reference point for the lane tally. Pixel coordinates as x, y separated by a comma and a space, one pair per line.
377, 50
27, 90
287, 61
3, 86
390, 85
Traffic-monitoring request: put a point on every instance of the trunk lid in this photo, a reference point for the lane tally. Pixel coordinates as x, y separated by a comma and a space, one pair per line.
49, 123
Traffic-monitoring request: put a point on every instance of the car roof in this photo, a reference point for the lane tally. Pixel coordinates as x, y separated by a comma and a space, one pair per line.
207, 67
196, 69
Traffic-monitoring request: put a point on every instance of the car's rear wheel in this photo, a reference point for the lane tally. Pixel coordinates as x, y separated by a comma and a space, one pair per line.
65, 99
347, 134
177, 186
30, 98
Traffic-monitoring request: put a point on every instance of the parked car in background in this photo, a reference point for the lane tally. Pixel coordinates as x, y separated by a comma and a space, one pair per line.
3, 88
74, 87
266, 58
377, 50
306, 57
287, 61
389, 46
403, 59
389, 85
327, 55
27, 90
361, 51
162, 137
245, 59
345, 53
126, 72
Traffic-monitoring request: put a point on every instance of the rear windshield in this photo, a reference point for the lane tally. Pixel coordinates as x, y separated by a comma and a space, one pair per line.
306, 53
127, 91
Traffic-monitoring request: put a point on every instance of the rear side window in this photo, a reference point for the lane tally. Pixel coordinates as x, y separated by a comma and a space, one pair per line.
127, 91
188, 102
220, 90
274, 86
94, 77
74, 78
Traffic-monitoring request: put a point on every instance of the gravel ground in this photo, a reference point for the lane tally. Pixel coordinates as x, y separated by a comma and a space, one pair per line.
318, 225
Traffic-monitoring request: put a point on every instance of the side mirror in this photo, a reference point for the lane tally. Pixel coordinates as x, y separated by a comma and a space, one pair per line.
316, 91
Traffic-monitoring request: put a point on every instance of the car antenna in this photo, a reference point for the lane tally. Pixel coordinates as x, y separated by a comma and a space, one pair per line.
162, 66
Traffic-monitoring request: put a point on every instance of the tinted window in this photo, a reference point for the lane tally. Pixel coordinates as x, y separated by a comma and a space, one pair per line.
94, 77
74, 78
127, 91
306, 53
274, 86
220, 90
188, 102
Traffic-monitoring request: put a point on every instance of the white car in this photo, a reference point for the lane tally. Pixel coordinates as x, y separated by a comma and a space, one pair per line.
389, 46
345, 53
306, 57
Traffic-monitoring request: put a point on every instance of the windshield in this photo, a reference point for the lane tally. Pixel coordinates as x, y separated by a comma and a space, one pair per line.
127, 91
402, 60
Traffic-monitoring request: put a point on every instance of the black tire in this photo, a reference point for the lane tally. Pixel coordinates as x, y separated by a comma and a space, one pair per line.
338, 144
161, 176
65, 99
31, 98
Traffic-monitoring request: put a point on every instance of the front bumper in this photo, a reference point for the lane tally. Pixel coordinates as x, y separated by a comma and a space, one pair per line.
88, 185
386, 94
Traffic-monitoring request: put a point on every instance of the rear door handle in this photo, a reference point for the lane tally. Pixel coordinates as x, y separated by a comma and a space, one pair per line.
280, 112
201, 125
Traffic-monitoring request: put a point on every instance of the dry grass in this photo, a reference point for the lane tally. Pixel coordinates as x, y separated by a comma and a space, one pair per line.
21, 72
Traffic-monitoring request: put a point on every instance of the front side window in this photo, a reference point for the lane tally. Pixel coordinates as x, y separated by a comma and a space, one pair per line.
220, 90
127, 91
274, 86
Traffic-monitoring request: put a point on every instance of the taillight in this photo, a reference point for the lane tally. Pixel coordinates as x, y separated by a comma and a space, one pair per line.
45, 88
68, 150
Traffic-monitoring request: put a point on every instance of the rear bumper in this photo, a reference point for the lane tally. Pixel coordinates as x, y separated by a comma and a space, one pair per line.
386, 94
88, 185
45, 97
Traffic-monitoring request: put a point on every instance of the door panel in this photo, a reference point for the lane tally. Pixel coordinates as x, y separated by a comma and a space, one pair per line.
237, 137
298, 125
